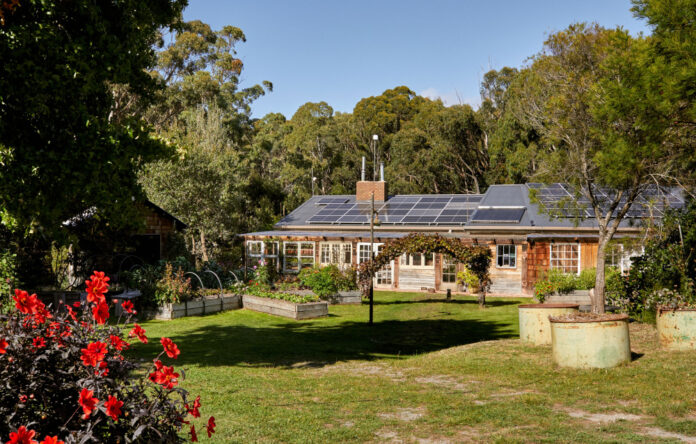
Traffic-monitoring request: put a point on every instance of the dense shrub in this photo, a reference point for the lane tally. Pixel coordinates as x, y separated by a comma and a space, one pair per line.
326, 281
665, 274
555, 281
173, 287
469, 280
64, 375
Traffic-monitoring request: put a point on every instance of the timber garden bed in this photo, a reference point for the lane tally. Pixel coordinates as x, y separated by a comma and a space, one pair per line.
196, 307
287, 309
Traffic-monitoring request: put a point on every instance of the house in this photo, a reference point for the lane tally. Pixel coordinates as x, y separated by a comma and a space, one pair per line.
524, 240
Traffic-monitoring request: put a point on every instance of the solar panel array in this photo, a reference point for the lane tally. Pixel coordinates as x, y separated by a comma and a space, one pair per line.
443, 209
498, 215
561, 201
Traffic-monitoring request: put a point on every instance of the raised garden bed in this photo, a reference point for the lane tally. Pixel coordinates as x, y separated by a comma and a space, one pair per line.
534, 321
287, 309
353, 297
590, 341
676, 328
198, 307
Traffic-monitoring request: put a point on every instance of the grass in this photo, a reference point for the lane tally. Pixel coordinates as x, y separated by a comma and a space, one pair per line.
427, 370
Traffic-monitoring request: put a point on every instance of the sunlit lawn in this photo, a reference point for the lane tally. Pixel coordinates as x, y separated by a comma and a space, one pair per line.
427, 369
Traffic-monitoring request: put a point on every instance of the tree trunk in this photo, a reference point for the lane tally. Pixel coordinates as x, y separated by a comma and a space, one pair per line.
482, 299
598, 301
193, 249
204, 250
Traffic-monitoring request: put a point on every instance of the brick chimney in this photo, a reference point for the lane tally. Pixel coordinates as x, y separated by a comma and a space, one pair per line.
365, 188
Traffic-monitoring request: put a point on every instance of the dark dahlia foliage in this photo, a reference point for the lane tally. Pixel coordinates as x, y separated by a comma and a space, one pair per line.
63, 374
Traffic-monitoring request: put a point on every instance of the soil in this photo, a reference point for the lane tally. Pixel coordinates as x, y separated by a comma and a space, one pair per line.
588, 317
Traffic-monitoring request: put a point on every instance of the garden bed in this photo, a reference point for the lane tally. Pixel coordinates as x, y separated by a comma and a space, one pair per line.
197, 307
287, 309
352, 297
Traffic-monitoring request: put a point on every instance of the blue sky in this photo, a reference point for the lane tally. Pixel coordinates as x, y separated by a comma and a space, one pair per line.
342, 51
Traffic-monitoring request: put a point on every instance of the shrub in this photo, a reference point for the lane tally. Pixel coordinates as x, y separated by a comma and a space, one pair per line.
468, 279
586, 280
172, 288
264, 292
542, 289
64, 374
320, 280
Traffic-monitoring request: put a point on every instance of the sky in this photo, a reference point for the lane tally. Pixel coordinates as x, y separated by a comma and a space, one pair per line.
342, 51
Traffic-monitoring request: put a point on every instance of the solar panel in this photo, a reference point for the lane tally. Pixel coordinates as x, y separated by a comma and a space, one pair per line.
498, 215
332, 200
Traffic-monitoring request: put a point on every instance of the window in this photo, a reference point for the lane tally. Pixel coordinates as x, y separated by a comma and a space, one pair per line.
449, 269
565, 257
417, 260
262, 252
384, 275
506, 256
340, 254
297, 255
619, 256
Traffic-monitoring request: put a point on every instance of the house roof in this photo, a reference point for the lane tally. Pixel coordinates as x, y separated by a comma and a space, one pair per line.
517, 207
91, 211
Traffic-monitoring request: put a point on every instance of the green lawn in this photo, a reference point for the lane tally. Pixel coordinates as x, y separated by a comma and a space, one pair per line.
427, 371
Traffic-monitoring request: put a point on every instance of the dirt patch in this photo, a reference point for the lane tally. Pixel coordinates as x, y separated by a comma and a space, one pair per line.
601, 418
366, 369
588, 317
347, 424
659, 433
432, 440
444, 381
388, 436
404, 414
520, 393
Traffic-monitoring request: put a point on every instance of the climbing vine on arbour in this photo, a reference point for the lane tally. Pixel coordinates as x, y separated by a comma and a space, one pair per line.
477, 258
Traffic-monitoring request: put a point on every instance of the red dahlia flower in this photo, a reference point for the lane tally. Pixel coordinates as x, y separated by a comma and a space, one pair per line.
139, 332
164, 375
117, 342
87, 402
25, 303
170, 348
194, 410
39, 342
22, 436
113, 407
101, 312
93, 354
211, 426
51, 440
127, 306
194, 437
3, 346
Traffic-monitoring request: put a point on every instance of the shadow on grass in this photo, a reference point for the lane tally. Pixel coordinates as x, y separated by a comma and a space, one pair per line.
298, 344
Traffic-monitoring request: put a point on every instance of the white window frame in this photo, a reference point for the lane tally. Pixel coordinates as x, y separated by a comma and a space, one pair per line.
511, 256
343, 249
558, 244
263, 253
449, 261
381, 274
406, 261
624, 256
302, 261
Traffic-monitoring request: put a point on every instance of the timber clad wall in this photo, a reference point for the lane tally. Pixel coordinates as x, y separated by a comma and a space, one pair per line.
537, 260
506, 280
588, 255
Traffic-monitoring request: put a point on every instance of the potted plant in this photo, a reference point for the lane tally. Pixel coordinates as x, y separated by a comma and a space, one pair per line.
534, 320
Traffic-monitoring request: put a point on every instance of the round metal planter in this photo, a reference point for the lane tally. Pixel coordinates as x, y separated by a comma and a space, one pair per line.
676, 329
587, 343
534, 321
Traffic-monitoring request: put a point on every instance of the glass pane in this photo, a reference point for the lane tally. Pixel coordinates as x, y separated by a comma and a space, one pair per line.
255, 247
429, 260
416, 260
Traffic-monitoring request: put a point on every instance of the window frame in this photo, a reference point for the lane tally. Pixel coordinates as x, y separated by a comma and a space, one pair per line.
263, 254
511, 256
449, 262
303, 261
343, 249
382, 277
563, 269
406, 261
